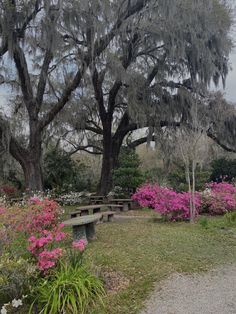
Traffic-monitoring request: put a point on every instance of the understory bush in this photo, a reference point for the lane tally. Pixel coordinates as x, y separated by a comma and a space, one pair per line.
219, 198
38, 266
170, 204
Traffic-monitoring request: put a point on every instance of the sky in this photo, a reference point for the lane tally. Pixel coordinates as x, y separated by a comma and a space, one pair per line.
230, 90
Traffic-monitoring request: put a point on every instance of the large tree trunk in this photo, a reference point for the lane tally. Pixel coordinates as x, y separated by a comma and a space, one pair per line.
30, 159
33, 173
111, 150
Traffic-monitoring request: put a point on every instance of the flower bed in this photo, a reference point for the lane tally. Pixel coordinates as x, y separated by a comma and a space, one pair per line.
35, 253
170, 204
219, 198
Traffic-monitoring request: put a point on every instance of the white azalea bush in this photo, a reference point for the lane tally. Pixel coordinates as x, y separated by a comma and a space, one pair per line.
74, 198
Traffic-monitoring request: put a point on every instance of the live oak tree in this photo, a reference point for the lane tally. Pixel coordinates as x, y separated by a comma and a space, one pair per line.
43, 41
110, 66
150, 74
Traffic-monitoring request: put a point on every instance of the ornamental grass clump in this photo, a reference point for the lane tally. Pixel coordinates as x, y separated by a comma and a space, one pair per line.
69, 288
170, 204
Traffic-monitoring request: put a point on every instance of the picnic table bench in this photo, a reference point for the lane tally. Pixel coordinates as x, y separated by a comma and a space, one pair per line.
93, 209
83, 227
126, 202
96, 199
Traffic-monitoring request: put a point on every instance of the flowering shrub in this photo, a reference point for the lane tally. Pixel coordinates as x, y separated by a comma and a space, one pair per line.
166, 201
7, 190
39, 222
219, 198
45, 230
74, 198
30, 246
16, 277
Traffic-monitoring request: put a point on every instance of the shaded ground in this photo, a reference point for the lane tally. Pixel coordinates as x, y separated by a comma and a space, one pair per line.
210, 293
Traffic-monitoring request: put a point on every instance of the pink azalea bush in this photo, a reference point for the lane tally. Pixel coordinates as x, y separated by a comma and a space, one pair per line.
37, 229
172, 205
219, 198
45, 232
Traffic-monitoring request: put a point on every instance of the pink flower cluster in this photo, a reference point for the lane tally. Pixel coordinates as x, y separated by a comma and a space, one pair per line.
166, 201
219, 198
2, 210
79, 244
45, 232
7, 190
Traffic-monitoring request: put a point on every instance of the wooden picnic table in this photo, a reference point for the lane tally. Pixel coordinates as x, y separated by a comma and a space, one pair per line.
83, 227
96, 199
93, 209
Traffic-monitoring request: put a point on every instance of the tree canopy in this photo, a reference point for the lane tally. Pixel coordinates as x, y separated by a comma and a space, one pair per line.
105, 68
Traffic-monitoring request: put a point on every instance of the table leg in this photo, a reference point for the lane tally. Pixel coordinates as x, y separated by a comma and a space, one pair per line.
90, 231
84, 212
125, 207
96, 210
79, 232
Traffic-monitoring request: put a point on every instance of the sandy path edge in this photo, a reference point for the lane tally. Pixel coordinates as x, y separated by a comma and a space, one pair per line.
213, 292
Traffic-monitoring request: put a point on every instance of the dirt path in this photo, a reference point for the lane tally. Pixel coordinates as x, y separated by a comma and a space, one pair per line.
210, 293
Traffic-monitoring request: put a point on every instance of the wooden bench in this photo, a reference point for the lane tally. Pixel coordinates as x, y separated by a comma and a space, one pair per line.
126, 202
96, 199
83, 227
108, 216
93, 209
86, 210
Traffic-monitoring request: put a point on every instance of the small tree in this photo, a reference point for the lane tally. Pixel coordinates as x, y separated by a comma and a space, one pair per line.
128, 176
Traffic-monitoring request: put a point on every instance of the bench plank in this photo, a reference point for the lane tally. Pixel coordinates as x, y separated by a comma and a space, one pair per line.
84, 210
83, 227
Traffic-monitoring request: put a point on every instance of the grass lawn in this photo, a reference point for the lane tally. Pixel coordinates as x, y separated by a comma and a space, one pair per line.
145, 252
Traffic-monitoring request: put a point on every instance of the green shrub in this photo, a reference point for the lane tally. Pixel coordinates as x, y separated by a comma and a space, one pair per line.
128, 175
177, 179
70, 289
62, 173
223, 169
230, 218
16, 277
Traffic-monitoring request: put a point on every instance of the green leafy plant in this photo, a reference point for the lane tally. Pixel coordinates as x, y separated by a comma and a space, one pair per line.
203, 221
62, 173
16, 277
223, 169
70, 289
230, 218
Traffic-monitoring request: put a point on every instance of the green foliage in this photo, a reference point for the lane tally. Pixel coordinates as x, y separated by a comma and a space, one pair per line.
203, 221
62, 173
223, 169
177, 179
230, 218
70, 289
16, 277
128, 176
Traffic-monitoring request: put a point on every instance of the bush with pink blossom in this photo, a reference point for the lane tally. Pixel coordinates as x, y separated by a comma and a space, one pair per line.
169, 203
219, 198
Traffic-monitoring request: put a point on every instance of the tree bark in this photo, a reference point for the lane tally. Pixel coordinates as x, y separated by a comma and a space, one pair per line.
111, 151
30, 158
